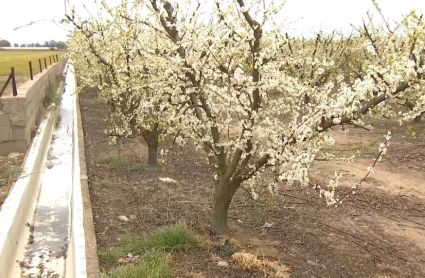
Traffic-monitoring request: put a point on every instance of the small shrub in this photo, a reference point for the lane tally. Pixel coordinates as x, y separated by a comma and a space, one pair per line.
139, 168
113, 161
150, 266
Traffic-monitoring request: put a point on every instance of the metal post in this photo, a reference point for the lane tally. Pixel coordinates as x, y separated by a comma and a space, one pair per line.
50, 58
39, 62
31, 70
45, 63
15, 92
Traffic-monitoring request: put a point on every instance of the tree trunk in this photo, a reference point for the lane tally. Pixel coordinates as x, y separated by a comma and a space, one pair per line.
417, 119
153, 153
151, 139
223, 196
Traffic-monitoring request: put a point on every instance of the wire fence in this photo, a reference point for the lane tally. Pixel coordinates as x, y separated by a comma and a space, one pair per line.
41, 66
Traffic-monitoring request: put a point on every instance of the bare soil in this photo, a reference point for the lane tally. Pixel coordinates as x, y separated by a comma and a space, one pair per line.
377, 232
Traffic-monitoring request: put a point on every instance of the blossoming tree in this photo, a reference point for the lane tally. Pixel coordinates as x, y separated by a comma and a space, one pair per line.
217, 71
105, 55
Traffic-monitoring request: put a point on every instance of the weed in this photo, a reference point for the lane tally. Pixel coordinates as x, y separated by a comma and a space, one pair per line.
168, 238
51, 96
150, 266
270, 205
58, 121
109, 257
106, 184
113, 160
11, 174
139, 168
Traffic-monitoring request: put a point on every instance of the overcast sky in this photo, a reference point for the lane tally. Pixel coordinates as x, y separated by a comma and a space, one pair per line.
306, 15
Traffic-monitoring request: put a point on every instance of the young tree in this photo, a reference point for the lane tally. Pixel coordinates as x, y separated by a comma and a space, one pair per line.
105, 56
217, 71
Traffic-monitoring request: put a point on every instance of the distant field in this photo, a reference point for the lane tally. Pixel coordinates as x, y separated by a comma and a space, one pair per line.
19, 60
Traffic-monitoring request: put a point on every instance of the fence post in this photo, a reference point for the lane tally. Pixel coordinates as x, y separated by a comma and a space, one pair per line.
39, 62
57, 59
31, 70
50, 58
15, 92
45, 63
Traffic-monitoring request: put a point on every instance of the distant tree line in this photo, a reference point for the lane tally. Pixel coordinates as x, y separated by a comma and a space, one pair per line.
51, 43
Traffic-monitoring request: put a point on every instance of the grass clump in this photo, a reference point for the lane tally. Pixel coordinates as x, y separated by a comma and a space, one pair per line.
106, 184
109, 257
149, 251
139, 168
150, 266
113, 161
168, 238
51, 96
11, 174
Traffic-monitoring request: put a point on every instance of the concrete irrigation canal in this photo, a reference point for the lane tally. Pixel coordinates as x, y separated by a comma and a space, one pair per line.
41, 222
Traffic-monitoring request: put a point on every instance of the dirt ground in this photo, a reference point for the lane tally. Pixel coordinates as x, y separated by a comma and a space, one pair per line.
10, 169
377, 232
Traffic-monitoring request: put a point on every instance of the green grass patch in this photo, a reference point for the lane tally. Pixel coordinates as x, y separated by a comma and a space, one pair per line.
113, 161
106, 184
109, 257
51, 96
166, 239
19, 59
139, 168
150, 266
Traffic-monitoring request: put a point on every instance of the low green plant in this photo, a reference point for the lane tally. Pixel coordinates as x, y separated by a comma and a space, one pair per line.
113, 161
109, 257
51, 96
140, 168
11, 174
58, 121
168, 238
150, 266
106, 184
150, 250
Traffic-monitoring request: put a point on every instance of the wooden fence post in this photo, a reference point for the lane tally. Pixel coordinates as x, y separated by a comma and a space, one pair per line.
31, 70
15, 92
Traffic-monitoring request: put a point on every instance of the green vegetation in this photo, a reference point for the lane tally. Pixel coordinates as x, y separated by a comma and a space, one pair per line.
140, 168
19, 59
150, 266
152, 260
106, 184
113, 160
51, 96
11, 174
167, 238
